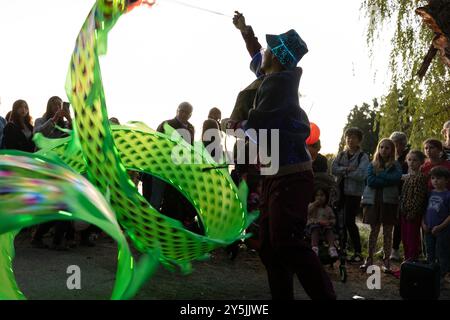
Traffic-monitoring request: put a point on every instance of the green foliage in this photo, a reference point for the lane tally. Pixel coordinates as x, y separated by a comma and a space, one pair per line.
417, 108
365, 118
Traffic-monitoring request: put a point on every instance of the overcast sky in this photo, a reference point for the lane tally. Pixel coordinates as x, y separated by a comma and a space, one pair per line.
171, 53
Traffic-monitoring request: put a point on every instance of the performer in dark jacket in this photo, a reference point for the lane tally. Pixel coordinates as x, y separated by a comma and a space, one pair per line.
286, 193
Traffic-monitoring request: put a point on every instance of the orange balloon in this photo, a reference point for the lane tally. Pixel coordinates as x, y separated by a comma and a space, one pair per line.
314, 134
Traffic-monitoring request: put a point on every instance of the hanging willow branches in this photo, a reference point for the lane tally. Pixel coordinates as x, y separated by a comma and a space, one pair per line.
436, 15
419, 108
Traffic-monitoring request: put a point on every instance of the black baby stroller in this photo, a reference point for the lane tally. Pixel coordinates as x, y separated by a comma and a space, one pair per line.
326, 181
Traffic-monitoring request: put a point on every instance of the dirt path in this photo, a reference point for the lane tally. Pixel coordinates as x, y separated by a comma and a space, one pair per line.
41, 274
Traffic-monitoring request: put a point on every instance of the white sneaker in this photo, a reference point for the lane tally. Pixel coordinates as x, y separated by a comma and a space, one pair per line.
395, 255
316, 250
333, 252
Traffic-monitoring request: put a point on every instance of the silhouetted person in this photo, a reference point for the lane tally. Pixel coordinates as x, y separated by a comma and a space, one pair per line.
211, 134
162, 195
286, 193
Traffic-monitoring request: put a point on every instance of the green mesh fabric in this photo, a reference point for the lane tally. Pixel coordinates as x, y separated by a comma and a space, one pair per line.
211, 191
9, 289
105, 154
36, 189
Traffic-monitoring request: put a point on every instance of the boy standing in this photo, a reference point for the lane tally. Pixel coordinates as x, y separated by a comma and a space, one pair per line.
350, 167
436, 223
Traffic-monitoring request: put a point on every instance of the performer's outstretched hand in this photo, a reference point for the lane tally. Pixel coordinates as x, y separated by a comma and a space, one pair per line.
239, 21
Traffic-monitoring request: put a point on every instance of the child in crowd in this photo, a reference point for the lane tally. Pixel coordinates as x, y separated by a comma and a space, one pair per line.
436, 222
434, 150
380, 200
321, 220
413, 202
350, 167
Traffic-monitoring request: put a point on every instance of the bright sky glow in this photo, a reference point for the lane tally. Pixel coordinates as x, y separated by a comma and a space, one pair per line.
170, 53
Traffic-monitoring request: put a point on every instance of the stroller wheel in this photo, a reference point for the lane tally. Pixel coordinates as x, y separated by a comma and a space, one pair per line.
343, 273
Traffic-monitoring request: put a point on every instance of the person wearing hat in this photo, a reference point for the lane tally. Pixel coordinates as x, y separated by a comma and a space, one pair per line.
286, 193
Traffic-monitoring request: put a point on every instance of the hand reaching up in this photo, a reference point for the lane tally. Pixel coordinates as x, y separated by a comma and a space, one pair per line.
239, 21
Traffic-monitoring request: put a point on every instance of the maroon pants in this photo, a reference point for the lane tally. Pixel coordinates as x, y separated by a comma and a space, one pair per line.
284, 209
411, 237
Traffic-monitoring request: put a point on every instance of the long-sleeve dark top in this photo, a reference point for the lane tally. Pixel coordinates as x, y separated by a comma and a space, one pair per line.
15, 139
174, 123
277, 107
245, 98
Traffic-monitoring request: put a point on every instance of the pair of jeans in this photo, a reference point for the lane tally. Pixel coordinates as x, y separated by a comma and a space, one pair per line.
352, 205
438, 247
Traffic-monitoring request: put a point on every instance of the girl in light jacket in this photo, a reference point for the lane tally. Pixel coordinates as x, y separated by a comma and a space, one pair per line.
380, 199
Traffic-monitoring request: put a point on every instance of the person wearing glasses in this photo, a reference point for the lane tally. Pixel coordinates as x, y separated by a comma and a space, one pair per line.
181, 121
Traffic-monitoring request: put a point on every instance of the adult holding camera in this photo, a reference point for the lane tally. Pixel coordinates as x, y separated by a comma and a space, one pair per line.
56, 115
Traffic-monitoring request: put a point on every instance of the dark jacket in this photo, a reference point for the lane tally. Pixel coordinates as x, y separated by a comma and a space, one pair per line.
15, 139
277, 107
174, 123
244, 101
